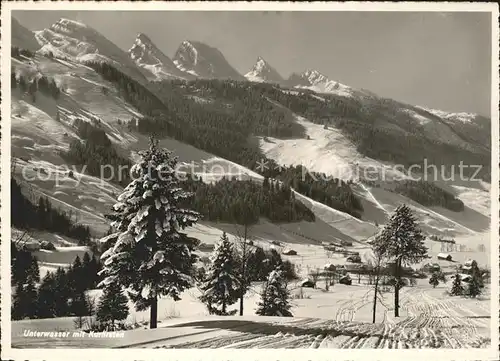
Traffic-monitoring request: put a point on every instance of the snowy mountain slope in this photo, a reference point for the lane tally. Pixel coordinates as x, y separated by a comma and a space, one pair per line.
461, 117
326, 150
316, 81
38, 137
22, 37
329, 151
471, 136
473, 128
69, 39
262, 71
465, 130
42, 129
204, 61
147, 55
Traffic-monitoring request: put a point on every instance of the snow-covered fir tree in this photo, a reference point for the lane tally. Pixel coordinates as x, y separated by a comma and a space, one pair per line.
24, 304
221, 286
46, 296
475, 286
402, 241
113, 305
275, 296
434, 280
456, 288
148, 254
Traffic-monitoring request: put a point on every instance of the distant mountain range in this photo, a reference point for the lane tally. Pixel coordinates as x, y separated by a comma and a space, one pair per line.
73, 40
145, 61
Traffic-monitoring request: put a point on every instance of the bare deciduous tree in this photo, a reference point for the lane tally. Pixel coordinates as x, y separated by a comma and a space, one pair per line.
376, 272
244, 252
315, 276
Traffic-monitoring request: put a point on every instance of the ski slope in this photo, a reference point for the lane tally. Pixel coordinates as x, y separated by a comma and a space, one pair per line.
329, 151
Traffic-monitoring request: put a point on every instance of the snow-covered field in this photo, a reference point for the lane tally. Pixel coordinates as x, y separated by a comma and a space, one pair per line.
338, 318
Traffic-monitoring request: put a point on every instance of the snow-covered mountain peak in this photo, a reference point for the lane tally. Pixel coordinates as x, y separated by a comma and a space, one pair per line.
187, 53
260, 64
142, 43
262, 71
142, 40
314, 80
68, 25
314, 76
79, 42
204, 61
149, 57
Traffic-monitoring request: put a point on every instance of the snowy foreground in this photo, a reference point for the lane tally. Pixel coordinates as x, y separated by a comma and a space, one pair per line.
339, 318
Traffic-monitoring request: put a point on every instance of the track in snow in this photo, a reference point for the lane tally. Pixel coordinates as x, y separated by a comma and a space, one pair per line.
426, 322
314, 333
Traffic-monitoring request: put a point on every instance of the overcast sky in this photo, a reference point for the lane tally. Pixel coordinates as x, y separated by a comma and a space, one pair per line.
438, 60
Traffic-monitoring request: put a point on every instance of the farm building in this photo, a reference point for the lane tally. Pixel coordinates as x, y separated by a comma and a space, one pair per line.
307, 283
445, 256
356, 267
329, 267
367, 267
31, 245
290, 252
432, 267
205, 247
345, 280
470, 263
354, 259
435, 267
332, 244
467, 266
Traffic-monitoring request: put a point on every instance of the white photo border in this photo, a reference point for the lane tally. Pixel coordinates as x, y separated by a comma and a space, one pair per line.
8, 352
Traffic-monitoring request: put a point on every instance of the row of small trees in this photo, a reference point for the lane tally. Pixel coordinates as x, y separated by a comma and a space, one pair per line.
17, 52
224, 283
473, 288
43, 84
63, 292
60, 293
